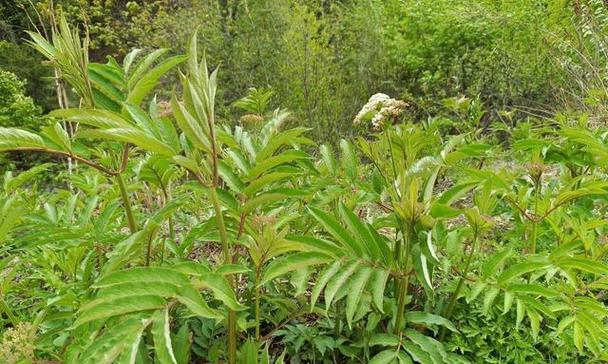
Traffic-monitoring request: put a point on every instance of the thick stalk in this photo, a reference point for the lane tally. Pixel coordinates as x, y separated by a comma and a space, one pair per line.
126, 203
257, 304
467, 266
222, 229
226, 250
403, 282
534, 233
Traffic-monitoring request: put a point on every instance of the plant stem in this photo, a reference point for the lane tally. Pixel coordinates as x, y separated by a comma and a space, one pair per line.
467, 266
227, 259
402, 284
533, 234
257, 304
126, 203
149, 251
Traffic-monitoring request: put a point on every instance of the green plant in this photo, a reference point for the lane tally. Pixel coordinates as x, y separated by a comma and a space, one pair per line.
179, 236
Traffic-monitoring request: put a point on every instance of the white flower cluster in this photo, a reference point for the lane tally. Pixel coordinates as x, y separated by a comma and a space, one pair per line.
380, 108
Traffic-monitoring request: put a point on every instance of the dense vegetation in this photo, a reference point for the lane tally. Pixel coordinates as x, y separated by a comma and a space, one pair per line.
158, 209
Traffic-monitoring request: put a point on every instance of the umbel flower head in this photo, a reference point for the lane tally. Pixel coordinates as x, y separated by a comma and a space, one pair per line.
380, 108
17, 344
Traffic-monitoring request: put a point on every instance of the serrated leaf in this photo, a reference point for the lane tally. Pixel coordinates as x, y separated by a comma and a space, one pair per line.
384, 339
292, 262
192, 299
384, 357
150, 79
332, 226
97, 310
583, 264
426, 318
338, 281
162, 337
358, 283
13, 138
532, 289
143, 275
105, 349
520, 269
495, 262
322, 280
489, 298
378, 285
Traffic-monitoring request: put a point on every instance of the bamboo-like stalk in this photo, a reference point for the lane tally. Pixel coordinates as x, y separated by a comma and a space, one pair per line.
534, 232
222, 231
402, 283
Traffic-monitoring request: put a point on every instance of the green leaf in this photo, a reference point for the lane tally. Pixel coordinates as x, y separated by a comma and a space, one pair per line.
182, 344
579, 336
430, 346
102, 119
358, 283
124, 335
292, 262
142, 65
156, 288
384, 357
13, 138
384, 339
349, 160
378, 285
338, 281
143, 275
277, 141
58, 135
323, 278
520, 308
495, 263
333, 227
269, 197
489, 298
425, 271
417, 353
443, 211
102, 309
221, 289
426, 318
231, 179
532, 289
361, 232
192, 299
265, 181
129, 58
190, 126
130, 135
522, 268
272, 162
328, 158
148, 81
162, 337
583, 264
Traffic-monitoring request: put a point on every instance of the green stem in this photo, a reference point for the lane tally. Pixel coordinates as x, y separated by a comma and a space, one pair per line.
257, 304
467, 266
534, 233
126, 203
227, 259
402, 284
